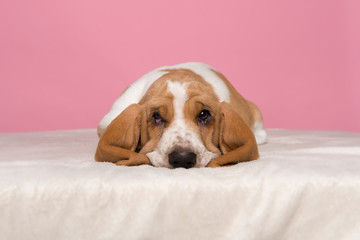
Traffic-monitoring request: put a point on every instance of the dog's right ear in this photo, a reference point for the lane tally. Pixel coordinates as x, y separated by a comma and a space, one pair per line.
120, 139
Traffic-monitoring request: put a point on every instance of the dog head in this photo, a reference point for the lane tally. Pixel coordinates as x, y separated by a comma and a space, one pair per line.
179, 123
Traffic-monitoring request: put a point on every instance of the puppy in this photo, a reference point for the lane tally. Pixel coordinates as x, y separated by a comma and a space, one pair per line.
187, 115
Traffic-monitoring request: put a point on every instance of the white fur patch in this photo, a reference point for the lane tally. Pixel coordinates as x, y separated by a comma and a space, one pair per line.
179, 135
260, 133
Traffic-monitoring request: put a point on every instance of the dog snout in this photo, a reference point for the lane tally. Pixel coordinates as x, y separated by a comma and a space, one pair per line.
182, 159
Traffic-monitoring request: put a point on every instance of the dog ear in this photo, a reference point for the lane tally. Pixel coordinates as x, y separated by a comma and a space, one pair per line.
119, 142
236, 141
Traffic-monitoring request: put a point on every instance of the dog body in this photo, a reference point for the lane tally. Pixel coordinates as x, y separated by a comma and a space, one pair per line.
187, 115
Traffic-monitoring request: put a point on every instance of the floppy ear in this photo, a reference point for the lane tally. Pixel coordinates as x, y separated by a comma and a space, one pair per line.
236, 141
120, 139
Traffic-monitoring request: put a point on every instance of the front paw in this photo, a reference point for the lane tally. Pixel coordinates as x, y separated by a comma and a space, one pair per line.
213, 164
134, 160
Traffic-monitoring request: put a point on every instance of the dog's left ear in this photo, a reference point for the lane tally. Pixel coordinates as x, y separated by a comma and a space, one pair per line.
236, 141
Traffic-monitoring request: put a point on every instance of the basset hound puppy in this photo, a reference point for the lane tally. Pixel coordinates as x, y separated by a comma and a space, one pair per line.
187, 115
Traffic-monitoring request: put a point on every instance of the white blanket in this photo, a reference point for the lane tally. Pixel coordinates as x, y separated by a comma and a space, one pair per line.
306, 185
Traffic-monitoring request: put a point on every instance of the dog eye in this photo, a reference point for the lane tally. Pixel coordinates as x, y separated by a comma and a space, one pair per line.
157, 119
204, 117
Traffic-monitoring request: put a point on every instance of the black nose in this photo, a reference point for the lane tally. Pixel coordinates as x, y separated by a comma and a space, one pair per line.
182, 159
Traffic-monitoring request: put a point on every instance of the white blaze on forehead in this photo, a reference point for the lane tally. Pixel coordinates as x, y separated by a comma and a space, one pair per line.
180, 97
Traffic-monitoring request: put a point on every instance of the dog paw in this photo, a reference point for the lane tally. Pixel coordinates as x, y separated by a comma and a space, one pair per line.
135, 160
213, 164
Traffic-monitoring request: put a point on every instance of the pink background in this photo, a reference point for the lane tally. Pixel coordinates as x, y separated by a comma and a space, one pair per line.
63, 63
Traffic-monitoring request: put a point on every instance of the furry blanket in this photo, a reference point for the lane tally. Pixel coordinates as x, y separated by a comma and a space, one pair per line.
306, 185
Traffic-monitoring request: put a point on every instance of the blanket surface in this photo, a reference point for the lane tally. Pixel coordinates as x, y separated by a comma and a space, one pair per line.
306, 185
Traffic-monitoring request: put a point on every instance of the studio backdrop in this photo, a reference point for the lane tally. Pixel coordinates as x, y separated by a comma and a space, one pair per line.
63, 63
